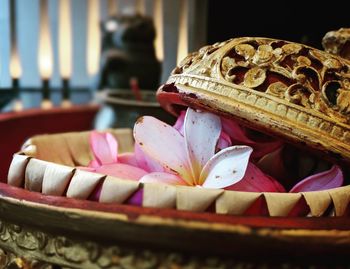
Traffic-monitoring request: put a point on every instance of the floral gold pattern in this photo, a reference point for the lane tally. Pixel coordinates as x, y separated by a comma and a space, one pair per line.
46, 251
305, 71
290, 90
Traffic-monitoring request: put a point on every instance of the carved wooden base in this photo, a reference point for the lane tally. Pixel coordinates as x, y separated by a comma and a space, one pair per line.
38, 231
12, 261
23, 247
27, 248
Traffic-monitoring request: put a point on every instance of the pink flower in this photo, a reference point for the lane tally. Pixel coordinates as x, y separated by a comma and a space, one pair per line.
191, 159
198, 152
106, 160
332, 178
239, 135
325, 176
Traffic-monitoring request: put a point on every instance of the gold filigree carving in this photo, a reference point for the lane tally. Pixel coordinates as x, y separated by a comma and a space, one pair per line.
305, 71
46, 251
195, 57
10, 260
291, 79
274, 106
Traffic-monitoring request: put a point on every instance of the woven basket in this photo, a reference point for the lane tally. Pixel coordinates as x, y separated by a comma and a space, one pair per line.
47, 164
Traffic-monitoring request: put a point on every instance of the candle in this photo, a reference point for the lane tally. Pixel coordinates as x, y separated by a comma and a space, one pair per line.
93, 38
45, 56
182, 44
158, 21
15, 72
65, 49
15, 63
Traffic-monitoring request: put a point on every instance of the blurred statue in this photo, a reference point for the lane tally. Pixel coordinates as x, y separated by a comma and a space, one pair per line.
129, 73
128, 53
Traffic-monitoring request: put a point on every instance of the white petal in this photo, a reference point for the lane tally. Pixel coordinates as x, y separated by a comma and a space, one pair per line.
145, 162
226, 168
202, 132
161, 177
163, 143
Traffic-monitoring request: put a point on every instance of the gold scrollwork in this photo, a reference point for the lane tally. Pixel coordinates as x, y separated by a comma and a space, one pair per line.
45, 251
303, 73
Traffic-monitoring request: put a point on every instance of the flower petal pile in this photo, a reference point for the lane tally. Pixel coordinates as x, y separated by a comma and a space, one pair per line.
191, 154
106, 160
201, 150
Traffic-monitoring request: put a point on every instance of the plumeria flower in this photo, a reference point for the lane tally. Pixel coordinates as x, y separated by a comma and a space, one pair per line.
186, 155
224, 139
324, 180
191, 159
145, 162
106, 160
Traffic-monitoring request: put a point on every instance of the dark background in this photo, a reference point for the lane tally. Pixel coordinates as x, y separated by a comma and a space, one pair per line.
299, 21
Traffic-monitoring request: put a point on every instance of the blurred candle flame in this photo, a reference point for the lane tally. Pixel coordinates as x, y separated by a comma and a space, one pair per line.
18, 105
46, 104
15, 64
93, 38
65, 39
158, 21
45, 56
66, 104
182, 45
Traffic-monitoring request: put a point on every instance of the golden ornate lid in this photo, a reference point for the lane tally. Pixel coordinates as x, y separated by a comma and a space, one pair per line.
282, 88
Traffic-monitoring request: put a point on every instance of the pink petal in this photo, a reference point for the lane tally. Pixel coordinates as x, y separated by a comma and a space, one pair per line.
332, 178
94, 163
159, 177
257, 208
121, 170
136, 198
145, 162
104, 147
273, 165
224, 141
202, 132
225, 168
163, 143
179, 124
301, 209
255, 180
96, 193
128, 158
239, 137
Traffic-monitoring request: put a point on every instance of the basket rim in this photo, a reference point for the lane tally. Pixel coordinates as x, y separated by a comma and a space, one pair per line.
163, 216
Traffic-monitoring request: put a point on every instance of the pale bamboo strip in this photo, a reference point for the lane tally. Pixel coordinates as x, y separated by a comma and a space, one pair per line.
159, 195
34, 174
115, 190
17, 170
195, 199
